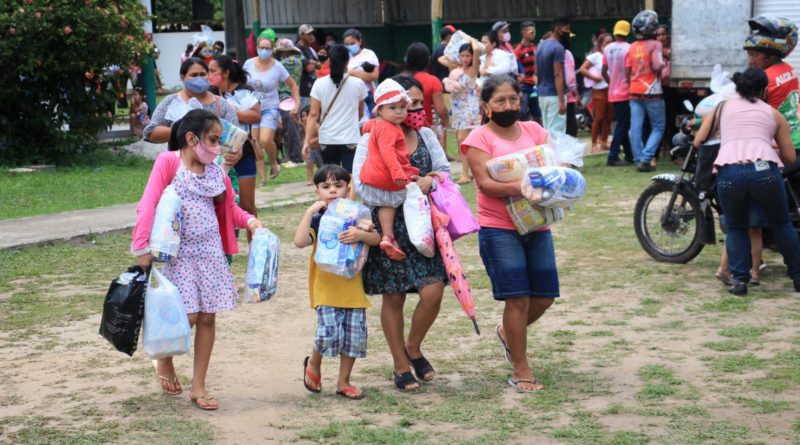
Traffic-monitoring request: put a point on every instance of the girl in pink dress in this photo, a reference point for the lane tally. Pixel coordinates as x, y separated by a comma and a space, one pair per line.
200, 270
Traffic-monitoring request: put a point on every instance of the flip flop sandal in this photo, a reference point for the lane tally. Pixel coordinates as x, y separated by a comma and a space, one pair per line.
725, 278
422, 367
310, 375
274, 172
162, 380
402, 381
351, 392
392, 250
515, 384
506, 351
204, 402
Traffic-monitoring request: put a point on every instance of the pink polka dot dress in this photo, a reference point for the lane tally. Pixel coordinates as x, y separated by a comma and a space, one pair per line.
200, 271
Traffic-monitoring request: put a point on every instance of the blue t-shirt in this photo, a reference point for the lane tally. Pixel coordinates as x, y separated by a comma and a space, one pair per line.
548, 53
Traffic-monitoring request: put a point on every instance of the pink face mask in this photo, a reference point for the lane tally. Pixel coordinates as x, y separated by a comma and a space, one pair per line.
416, 119
205, 154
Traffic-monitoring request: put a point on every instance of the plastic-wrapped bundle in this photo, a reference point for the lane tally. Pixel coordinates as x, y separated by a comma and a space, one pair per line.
448, 199
178, 108
512, 166
233, 137
345, 260
456, 40
165, 236
553, 186
568, 149
528, 217
242, 100
417, 213
262, 266
166, 326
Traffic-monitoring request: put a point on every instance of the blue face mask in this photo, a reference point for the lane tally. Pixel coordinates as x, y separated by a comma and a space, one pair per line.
197, 85
264, 53
353, 49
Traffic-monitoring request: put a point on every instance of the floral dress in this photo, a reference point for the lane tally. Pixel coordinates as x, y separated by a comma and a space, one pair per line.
200, 271
385, 276
466, 104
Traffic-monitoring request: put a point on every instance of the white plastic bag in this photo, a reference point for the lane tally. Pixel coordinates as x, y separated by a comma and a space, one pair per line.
165, 236
178, 108
345, 260
458, 39
512, 167
242, 100
262, 266
568, 149
553, 186
528, 217
166, 326
417, 213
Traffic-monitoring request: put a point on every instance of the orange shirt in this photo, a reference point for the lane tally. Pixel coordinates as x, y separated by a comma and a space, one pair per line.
645, 61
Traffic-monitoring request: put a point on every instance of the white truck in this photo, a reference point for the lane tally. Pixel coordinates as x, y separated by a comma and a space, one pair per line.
705, 33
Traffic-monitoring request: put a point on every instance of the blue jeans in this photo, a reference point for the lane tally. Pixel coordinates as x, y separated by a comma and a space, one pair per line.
622, 112
519, 266
657, 115
739, 185
529, 106
551, 119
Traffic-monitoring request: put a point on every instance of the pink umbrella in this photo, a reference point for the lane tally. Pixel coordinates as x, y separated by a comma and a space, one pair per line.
453, 265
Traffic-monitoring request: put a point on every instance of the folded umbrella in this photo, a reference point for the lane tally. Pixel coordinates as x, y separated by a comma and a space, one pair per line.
458, 280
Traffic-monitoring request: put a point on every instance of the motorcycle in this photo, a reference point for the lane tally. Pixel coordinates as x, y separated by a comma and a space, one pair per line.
674, 219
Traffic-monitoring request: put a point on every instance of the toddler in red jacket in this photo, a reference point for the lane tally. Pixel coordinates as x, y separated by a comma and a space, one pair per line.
387, 166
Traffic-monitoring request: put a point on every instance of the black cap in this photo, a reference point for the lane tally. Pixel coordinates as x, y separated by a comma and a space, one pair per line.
499, 25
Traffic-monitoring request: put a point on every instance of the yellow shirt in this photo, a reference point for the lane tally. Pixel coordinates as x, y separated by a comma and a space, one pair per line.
327, 289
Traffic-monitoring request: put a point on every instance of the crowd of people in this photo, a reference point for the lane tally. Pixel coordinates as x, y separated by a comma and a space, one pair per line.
369, 140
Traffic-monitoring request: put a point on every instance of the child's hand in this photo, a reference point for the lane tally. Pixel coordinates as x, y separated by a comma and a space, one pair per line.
400, 181
351, 236
317, 206
254, 224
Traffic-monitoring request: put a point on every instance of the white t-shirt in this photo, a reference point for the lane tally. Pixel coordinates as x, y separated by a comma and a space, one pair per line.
365, 55
503, 62
596, 70
265, 83
340, 124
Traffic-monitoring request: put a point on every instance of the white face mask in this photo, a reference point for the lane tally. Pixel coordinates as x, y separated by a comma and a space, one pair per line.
506, 36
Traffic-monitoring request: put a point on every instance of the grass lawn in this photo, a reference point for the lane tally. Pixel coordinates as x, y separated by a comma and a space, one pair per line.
634, 352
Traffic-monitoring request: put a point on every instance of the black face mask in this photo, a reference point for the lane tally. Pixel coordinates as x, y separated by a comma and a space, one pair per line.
322, 58
504, 118
564, 41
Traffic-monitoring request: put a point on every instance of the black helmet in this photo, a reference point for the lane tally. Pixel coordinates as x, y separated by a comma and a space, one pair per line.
771, 35
645, 24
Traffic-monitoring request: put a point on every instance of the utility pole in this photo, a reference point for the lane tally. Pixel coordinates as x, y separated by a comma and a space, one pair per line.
436, 21
149, 64
234, 29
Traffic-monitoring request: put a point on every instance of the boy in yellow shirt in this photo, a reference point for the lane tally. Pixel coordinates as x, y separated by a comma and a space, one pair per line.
340, 302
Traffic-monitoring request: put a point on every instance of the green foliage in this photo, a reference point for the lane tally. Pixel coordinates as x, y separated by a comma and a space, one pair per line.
57, 56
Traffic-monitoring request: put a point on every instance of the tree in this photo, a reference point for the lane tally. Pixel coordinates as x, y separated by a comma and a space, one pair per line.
59, 58
173, 11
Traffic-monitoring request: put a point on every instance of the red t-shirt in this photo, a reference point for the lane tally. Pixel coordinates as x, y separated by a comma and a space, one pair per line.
430, 85
526, 55
782, 81
645, 60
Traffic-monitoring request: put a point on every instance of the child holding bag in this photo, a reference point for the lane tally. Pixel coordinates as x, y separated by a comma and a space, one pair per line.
387, 166
340, 302
200, 270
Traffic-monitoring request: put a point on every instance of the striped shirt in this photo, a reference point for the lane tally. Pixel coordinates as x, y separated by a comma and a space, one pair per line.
526, 54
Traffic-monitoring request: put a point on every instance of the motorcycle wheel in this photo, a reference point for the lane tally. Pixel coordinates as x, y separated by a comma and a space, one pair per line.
673, 238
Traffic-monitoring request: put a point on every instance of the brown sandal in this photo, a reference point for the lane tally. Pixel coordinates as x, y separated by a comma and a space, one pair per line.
206, 402
164, 381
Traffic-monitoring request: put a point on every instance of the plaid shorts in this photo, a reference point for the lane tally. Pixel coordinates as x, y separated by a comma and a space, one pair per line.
341, 331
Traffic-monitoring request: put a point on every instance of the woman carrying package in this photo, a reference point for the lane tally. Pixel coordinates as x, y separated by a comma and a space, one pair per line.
416, 273
522, 268
200, 270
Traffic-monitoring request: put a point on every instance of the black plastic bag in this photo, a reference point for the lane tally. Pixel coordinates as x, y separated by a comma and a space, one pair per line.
123, 309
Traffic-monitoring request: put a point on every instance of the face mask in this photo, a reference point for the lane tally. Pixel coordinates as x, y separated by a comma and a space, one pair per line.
322, 58
264, 53
504, 118
196, 85
353, 49
205, 154
564, 40
506, 36
214, 79
416, 119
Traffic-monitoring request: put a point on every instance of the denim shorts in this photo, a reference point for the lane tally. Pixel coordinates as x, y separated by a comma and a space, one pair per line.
519, 265
246, 168
270, 117
341, 331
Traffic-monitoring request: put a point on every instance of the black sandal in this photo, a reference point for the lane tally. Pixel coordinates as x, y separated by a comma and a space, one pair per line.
421, 367
402, 381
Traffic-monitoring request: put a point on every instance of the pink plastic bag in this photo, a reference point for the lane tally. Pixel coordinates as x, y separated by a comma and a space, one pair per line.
448, 199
